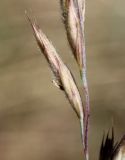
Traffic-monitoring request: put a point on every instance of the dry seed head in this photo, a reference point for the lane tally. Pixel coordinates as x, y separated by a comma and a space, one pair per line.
63, 77
73, 15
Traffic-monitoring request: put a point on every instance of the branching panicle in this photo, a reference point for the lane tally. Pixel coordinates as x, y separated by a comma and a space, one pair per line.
73, 13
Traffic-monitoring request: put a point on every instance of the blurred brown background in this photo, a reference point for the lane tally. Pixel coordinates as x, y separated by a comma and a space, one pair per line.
36, 121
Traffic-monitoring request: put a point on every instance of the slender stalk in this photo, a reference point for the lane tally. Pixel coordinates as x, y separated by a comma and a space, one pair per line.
81, 16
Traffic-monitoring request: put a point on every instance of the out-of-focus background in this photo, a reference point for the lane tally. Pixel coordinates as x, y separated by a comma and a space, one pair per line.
36, 121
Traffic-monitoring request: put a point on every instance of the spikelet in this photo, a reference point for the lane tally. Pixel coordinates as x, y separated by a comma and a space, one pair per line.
73, 13
63, 76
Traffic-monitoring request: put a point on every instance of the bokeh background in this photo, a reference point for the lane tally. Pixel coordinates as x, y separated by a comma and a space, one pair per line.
36, 121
